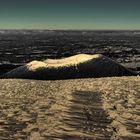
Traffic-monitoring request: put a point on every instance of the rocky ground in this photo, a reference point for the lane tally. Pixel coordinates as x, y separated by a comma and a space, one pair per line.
88, 109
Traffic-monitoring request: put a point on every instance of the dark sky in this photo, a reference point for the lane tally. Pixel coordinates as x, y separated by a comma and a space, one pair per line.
69, 14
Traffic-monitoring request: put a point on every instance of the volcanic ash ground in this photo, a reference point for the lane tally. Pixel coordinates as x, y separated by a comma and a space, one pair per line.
100, 109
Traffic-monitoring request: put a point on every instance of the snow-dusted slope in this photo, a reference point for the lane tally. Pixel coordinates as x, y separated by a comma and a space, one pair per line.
78, 66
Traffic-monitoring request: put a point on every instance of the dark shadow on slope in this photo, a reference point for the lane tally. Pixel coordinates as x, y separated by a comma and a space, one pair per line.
96, 69
4, 68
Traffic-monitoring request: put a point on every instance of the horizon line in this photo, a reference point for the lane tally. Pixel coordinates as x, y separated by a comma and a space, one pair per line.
72, 29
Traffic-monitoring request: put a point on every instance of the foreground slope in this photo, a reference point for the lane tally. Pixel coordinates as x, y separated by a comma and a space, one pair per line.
100, 109
78, 66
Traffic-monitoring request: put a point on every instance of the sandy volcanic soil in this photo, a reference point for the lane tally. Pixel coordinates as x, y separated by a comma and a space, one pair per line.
82, 109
